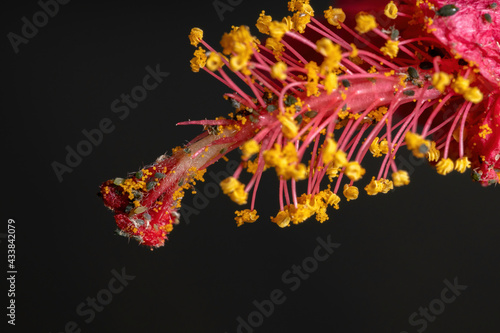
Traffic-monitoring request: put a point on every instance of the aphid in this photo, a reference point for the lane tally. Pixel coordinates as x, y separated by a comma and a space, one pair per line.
346, 83
394, 33
487, 17
290, 100
118, 181
271, 108
409, 92
413, 73
150, 185
310, 114
493, 5
447, 10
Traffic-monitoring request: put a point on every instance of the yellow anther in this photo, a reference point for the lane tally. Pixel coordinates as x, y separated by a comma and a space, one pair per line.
384, 146
195, 36
374, 187
335, 16
249, 148
239, 195
365, 22
462, 164
288, 126
350, 192
433, 154
387, 185
263, 23
340, 159
332, 172
375, 148
285, 162
276, 46
277, 29
327, 197
282, 219
444, 166
354, 171
473, 95
237, 63
245, 216
330, 82
324, 46
418, 145
214, 61
391, 48
236, 190
332, 53
441, 80
460, 85
300, 21
278, 70
400, 178
312, 78
328, 151
199, 60
355, 51
391, 10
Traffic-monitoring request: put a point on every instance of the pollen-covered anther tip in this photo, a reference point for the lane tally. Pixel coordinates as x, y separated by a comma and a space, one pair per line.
350, 192
462, 164
235, 190
277, 29
445, 166
365, 22
278, 70
195, 36
391, 10
400, 178
354, 171
249, 148
441, 80
214, 61
245, 216
282, 219
433, 154
335, 16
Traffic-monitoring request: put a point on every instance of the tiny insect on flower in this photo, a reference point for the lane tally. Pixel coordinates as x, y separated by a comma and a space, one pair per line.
314, 104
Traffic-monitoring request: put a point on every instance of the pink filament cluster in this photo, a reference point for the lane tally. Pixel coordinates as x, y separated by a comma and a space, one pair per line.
370, 80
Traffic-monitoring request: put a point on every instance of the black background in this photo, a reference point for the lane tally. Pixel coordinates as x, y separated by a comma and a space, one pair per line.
396, 249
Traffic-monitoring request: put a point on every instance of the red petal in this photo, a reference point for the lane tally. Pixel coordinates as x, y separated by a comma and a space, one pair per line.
470, 35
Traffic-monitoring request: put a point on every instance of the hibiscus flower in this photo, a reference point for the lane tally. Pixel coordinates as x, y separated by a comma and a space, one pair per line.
319, 93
